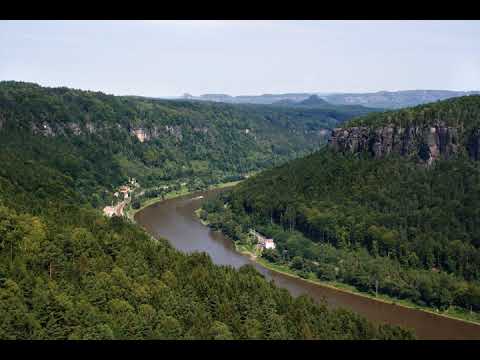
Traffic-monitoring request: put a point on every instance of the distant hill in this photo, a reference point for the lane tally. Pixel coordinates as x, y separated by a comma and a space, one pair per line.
380, 99
265, 99
314, 100
311, 101
395, 99
317, 103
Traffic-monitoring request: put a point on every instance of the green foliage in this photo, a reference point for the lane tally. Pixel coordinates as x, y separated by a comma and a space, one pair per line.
89, 138
67, 272
414, 230
456, 112
136, 204
112, 281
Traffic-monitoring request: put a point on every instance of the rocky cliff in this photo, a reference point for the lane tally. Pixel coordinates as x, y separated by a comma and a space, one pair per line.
426, 143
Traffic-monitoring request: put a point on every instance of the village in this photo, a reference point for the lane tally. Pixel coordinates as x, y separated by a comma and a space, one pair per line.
124, 193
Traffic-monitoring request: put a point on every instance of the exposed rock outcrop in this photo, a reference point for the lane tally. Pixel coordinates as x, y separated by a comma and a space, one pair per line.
145, 133
428, 143
141, 134
203, 130
44, 129
91, 128
74, 128
175, 131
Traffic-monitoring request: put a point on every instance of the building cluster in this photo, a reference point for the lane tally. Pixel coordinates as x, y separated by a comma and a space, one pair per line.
125, 190
262, 241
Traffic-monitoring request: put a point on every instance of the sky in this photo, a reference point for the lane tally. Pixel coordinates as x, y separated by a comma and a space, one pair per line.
171, 57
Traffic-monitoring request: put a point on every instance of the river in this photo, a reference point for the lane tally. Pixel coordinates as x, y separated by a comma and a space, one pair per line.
175, 220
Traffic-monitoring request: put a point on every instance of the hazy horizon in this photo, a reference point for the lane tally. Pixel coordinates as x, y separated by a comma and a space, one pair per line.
239, 58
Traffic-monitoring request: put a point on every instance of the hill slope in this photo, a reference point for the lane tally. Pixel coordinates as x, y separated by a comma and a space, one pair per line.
67, 272
381, 223
154, 140
425, 133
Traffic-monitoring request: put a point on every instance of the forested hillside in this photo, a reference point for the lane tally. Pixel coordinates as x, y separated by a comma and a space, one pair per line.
100, 139
68, 272
380, 223
315, 102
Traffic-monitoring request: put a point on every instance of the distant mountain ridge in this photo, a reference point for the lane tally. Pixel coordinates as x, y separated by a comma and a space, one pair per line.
265, 99
396, 99
380, 99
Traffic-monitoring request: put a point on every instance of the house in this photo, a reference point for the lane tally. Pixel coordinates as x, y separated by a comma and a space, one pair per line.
124, 189
109, 211
263, 242
269, 244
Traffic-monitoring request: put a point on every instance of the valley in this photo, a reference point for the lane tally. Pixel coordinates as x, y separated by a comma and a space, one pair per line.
322, 183
381, 211
175, 219
67, 271
310, 251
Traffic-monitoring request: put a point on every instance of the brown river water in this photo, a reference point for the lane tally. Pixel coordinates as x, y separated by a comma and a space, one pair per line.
176, 221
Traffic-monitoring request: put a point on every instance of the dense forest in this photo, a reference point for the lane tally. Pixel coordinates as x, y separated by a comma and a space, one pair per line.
99, 139
462, 112
390, 224
68, 272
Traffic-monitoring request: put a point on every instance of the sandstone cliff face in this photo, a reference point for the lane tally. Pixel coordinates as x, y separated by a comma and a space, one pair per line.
141, 134
44, 129
144, 134
428, 143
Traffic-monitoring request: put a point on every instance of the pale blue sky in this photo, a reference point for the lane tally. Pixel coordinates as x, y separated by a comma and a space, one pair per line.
168, 58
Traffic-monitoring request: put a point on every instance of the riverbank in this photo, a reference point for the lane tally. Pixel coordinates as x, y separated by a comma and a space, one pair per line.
130, 212
176, 221
254, 255
452, 313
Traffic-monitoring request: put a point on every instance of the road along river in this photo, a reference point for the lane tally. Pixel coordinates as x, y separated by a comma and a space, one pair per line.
175, 220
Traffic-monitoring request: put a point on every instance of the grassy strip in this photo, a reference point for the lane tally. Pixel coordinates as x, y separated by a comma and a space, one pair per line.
170, 195
250, 250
